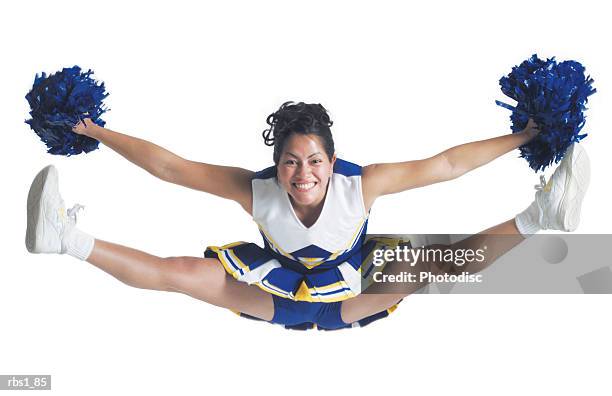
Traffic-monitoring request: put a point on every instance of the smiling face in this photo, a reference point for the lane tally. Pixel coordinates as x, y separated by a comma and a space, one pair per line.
304, 170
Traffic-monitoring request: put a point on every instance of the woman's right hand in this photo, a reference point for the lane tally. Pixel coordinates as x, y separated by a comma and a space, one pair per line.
86, 127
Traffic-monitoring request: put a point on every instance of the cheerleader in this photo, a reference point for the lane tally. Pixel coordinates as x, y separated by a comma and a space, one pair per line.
312, 211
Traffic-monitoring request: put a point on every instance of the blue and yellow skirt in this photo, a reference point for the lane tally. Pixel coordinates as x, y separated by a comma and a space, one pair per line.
316, 292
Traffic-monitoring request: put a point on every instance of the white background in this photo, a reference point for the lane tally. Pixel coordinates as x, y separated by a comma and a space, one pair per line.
401, 82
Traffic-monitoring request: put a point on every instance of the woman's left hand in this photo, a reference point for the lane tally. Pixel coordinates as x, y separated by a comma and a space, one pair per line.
532, 129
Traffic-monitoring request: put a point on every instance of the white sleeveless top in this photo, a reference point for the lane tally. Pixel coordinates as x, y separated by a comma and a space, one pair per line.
336, 234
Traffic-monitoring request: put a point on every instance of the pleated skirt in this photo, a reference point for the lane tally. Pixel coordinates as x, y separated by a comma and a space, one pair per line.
247, 262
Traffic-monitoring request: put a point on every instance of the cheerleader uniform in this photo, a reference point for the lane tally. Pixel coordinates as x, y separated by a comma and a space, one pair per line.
308, 270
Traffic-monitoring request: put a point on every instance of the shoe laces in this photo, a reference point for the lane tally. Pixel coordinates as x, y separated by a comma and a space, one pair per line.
542, 184
72, 212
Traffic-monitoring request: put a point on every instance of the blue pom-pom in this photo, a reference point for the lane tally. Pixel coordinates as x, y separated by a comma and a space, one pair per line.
554, 95
58, 102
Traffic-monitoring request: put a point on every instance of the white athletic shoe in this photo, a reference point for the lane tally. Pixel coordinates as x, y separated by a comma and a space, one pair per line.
48, 220
559, 201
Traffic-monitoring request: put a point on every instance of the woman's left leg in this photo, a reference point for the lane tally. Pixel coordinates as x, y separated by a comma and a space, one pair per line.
498, 239
556, 206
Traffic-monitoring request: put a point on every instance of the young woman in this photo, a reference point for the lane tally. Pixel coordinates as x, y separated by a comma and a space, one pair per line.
312, 210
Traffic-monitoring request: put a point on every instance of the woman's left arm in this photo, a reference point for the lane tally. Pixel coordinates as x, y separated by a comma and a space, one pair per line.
383, 179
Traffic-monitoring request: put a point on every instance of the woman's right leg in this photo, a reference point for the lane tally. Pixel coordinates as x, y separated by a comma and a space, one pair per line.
201, 278
52, 229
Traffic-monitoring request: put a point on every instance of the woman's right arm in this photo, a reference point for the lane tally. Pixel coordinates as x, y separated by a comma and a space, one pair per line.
224, 181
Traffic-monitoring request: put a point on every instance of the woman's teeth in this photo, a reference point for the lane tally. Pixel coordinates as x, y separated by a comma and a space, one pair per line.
304, 186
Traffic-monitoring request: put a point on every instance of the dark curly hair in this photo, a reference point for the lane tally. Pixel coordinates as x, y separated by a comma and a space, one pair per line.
298, 118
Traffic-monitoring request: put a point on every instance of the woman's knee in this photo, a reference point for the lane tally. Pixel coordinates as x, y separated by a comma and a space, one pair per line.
437, 265
185, 274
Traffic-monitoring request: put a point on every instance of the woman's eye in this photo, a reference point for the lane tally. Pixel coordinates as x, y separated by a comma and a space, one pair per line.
317, 161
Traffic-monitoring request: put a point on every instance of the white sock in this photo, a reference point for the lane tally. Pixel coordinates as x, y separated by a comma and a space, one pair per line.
77, 243
528, 221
